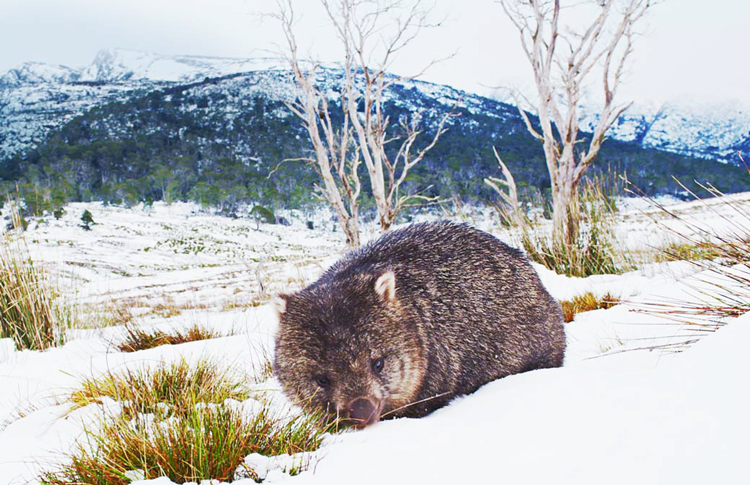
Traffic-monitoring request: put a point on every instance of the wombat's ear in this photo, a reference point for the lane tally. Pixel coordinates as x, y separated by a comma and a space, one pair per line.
385, 286
279, 303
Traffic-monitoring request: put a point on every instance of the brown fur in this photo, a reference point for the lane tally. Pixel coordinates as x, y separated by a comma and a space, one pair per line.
446, 307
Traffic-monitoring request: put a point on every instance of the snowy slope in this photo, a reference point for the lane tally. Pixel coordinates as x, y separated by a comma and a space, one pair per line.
114, 65
715, 131
607, 416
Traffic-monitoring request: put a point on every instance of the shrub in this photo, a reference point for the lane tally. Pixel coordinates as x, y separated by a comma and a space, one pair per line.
87, 220
262, 214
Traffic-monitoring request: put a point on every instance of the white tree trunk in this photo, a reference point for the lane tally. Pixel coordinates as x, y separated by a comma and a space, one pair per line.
561, 63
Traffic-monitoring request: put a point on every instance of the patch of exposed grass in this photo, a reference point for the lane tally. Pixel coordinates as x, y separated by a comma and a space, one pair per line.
210, 442
106, 314
184, 423
167, 389
586, 303
688, 251
137, 338
30, 310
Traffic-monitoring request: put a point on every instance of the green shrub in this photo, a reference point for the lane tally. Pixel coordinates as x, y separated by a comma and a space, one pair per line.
262, 214
87, 220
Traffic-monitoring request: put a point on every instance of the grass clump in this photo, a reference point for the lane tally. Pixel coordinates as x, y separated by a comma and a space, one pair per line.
185, 423
594, 249
689, 251
138, 339
208, 442
30, 312
586, 303
165, 390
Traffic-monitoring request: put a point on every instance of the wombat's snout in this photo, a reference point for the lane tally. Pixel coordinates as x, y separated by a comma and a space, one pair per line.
363, 412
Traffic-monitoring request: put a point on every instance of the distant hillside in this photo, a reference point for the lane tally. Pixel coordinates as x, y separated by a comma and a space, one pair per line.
126, 135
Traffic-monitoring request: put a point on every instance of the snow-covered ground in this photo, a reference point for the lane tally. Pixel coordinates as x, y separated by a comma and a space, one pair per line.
607, 416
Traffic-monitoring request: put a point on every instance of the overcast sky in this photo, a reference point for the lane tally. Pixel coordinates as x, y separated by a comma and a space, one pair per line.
690, 49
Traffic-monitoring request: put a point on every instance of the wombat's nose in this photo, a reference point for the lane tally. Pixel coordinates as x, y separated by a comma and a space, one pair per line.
362, 412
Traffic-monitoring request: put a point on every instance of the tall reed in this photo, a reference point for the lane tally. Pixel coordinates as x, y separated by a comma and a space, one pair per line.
722, 287
30, 310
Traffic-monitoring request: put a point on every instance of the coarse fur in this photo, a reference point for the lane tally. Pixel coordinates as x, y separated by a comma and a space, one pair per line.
421, 315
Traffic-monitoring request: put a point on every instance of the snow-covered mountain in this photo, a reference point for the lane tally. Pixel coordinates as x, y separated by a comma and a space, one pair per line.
36, 98
124, 65
716, 131
33, 73
118, 65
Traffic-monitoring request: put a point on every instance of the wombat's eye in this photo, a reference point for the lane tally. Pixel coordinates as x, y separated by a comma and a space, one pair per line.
323, 380
377, 364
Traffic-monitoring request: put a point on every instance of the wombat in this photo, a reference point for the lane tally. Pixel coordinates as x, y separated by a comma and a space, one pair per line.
401, 326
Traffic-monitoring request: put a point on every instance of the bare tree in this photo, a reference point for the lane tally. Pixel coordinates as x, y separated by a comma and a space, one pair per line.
372, 33
336, 158
562, 60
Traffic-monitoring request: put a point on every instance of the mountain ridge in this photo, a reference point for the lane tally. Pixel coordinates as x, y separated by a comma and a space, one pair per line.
715, 131
124, 133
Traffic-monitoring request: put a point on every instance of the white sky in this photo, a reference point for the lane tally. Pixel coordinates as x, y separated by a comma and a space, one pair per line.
691, 48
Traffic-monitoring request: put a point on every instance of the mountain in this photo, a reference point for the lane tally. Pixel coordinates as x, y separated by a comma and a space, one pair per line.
123, 65
136, 126
713, 131
37, 98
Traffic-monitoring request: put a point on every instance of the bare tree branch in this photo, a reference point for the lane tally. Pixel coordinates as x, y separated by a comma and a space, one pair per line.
336, 159
372, 33
560, 75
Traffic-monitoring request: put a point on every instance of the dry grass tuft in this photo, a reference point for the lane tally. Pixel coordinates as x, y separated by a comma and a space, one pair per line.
688, 251
165, 390
586, 303
30, 311
138, 339
722, 288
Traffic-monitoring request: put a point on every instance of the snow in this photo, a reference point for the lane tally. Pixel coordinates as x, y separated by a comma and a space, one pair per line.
120, 64
611, 414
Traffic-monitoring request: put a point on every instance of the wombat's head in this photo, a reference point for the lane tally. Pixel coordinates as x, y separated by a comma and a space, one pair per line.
348, 347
